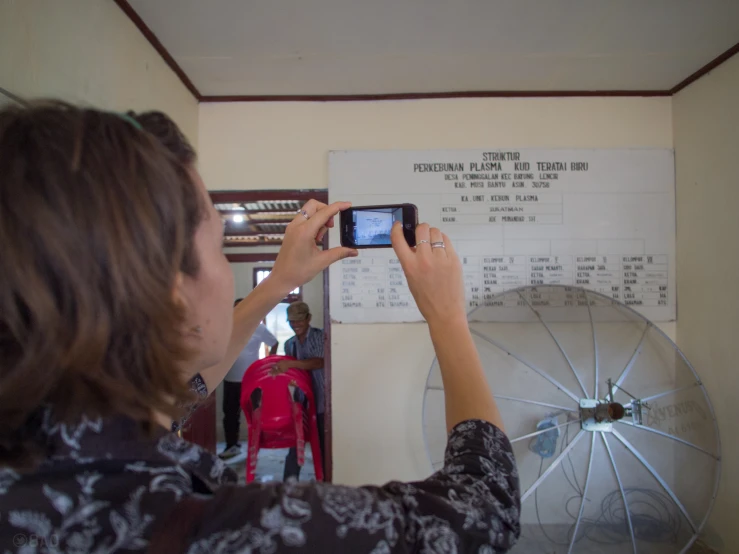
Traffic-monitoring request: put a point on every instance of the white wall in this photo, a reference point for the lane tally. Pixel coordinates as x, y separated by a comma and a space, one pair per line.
706, 131
379, 371
88, 51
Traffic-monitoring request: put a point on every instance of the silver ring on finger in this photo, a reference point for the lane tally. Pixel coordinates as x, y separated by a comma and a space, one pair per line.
438, 245
304, 214
422, 241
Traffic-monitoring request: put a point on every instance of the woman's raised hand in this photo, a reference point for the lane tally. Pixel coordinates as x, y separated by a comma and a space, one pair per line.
300, 259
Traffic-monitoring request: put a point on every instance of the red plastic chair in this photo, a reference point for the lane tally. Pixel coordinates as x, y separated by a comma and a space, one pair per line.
279, 421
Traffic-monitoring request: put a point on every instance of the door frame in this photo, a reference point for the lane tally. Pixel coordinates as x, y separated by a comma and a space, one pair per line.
225, 197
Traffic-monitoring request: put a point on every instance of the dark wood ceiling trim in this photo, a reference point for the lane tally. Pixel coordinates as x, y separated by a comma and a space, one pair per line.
252, 258
243, 196
248, 233
434, 95
252, 243
260, 216
249, 214
710, 66
158, 46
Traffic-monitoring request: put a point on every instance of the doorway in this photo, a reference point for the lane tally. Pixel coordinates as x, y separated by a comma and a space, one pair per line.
255, 222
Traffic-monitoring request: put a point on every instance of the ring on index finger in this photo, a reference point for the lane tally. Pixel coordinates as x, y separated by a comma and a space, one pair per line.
439, 244
308, 210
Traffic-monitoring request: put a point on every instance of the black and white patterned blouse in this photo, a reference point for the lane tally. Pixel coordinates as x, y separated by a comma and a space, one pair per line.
197, 386
106, 488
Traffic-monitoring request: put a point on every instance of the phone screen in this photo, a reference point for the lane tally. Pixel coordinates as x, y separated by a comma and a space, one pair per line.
372, 227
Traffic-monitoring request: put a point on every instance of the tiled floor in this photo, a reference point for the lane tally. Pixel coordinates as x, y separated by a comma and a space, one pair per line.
270, 464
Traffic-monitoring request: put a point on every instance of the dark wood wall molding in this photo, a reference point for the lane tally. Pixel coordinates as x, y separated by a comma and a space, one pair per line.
13, 97
435, 95
170, 61
328, 372
158, 46
710, 66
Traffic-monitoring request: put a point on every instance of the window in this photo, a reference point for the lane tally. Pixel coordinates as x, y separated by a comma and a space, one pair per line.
276, 320
261, 273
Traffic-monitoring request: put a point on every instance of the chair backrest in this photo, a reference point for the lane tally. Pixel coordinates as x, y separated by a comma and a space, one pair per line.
276, 400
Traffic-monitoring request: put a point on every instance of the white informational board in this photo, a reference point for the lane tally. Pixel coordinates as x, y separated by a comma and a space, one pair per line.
600, 219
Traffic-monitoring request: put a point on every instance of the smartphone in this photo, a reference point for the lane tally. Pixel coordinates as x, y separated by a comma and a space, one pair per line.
370, 226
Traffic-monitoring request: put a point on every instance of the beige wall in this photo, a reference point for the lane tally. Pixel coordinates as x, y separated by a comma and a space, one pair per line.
379, 371
285, 145
706, 131
87, 51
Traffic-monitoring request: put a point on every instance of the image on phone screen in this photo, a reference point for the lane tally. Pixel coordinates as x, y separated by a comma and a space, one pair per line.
372, 227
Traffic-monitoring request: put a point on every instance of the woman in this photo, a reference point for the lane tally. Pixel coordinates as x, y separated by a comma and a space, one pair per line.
115, 295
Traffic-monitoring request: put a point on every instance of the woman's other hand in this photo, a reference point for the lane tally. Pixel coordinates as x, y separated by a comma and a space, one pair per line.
434, 274
300, 259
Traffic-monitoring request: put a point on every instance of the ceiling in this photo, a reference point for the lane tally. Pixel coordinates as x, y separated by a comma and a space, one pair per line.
335, 47
256, 222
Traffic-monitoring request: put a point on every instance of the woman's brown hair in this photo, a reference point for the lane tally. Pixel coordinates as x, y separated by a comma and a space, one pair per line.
97, 217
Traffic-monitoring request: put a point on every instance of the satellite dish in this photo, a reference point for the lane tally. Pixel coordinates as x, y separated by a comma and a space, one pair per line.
615, 438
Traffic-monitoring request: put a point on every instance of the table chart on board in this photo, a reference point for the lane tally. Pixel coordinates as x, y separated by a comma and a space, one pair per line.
378, 282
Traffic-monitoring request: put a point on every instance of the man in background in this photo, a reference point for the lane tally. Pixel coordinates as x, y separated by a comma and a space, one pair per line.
306, 347
232, 387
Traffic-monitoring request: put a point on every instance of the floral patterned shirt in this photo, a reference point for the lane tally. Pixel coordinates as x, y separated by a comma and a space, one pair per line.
106, 487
